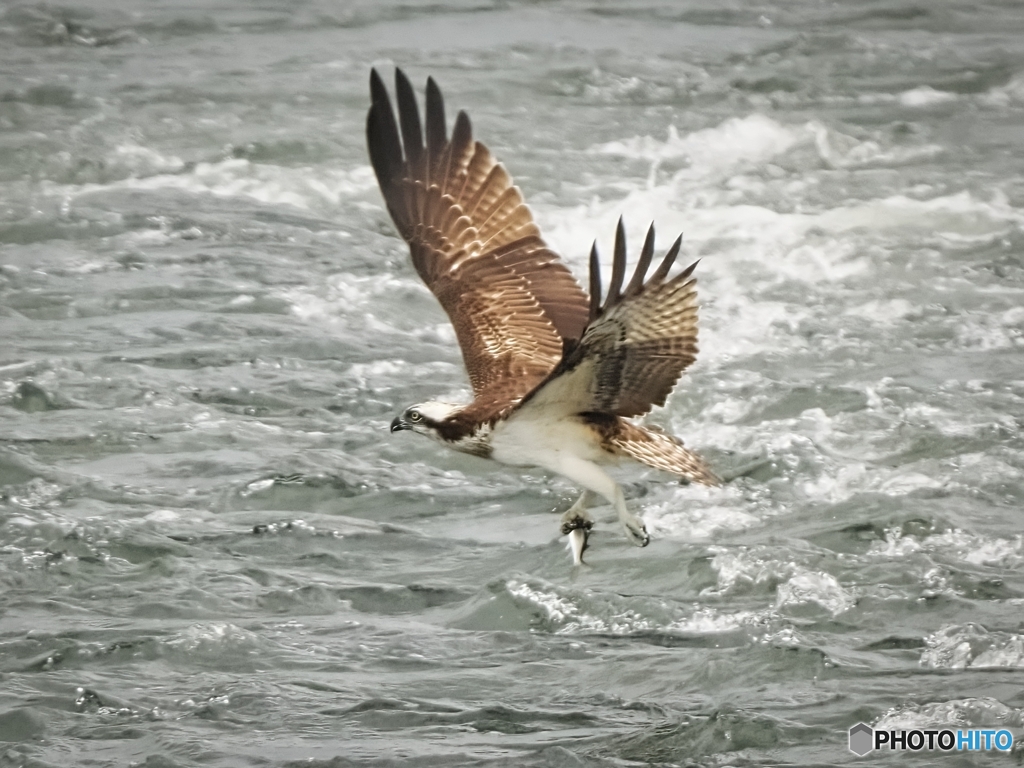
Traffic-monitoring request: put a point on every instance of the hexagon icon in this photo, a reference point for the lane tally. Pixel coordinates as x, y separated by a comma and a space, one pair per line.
862, 739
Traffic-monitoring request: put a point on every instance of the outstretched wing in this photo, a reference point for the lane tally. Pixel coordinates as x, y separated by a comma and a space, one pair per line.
473, 241
636, 344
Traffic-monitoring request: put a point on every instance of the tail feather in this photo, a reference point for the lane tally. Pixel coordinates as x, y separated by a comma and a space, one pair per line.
660, 450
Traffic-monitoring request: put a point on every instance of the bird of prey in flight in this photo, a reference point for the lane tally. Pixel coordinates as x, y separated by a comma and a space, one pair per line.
557, 375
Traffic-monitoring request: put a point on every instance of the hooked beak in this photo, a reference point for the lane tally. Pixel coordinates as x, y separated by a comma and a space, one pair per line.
578, 543
399, 424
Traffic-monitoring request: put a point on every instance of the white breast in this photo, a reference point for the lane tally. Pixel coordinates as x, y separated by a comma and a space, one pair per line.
531, 440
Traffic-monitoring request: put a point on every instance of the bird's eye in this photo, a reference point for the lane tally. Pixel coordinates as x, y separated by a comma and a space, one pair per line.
415, 416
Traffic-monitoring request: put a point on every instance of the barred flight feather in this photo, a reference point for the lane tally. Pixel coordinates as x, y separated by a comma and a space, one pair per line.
474, 242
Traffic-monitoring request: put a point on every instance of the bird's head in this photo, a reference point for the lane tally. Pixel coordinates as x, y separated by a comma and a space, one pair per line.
424, 418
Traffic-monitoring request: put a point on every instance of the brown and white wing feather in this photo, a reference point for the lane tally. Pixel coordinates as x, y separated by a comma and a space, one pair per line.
660, 450
474, 242
637, 343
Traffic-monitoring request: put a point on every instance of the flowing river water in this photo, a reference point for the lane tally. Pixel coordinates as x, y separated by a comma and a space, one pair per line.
212, 551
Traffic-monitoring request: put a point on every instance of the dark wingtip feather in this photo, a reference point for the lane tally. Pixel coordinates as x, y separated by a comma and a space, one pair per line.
444, 167
688, 271
382, 133
618, 266
378, 91
595, 283
462, 132
667, 262
377, 148
637, 283
437, 130
409, 118
375, 81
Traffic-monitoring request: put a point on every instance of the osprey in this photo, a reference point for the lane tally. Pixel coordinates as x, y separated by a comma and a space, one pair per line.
556, 375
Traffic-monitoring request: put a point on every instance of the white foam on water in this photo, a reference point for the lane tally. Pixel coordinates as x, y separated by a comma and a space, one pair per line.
925, 96
696, 513
955, 544
711, 621
573, 617
848, 480
765, 627
960, 215
698, 200
980, 469
795, 585
968, 712
902, 482
1005, 95
815, 587
593, 613
162, 516
353, 303
386, 375
743, 568
145, 161
882, 311
983, 332
297, 187
980, 550
1008, 653
843, 482
215, 637
348, 295
698, 523
752, 139
817, 448
963, 646
743, 327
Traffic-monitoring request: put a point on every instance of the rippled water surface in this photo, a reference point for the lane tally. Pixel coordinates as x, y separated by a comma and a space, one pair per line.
212, 551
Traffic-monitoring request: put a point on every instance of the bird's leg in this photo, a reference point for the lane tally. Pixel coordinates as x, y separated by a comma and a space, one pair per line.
593, 478
576, 516
636, 532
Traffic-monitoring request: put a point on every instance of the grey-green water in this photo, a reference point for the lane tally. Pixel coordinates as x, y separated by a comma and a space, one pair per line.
213, 553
